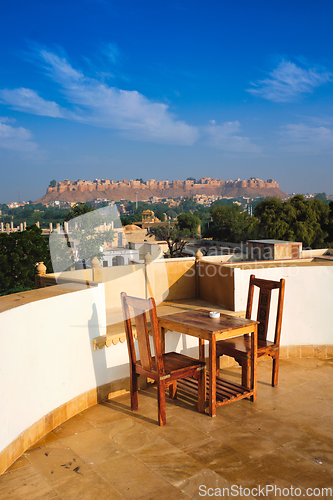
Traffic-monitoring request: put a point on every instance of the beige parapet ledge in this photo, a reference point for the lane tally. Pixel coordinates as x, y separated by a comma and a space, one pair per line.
8, 302
320, 261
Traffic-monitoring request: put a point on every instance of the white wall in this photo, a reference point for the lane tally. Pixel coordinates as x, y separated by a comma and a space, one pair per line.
46, 357
127, 255
308, 303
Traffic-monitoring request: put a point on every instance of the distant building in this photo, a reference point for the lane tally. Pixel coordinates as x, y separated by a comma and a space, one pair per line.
119, 257
273, 249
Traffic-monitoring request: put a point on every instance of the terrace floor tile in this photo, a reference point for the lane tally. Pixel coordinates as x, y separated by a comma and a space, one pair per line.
283, 440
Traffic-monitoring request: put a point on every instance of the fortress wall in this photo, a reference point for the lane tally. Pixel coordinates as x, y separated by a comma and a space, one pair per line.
83, 191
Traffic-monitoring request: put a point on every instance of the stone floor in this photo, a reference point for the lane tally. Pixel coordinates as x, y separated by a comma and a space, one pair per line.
284, 440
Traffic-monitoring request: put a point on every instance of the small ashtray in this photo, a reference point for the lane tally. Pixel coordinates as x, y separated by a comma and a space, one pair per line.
214, 314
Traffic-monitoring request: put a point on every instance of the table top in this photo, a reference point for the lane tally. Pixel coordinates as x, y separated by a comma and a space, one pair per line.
198, 323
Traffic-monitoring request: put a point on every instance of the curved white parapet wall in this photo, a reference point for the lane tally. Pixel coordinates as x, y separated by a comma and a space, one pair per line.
308, 303
47, 357
49, 370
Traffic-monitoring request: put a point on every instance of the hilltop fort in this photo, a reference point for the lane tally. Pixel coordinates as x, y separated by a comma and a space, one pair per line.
83, 191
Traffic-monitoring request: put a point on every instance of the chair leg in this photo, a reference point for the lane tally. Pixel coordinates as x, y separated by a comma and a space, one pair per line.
134, 391
161, 402
275, 372
173, 390
246, 371
202, 391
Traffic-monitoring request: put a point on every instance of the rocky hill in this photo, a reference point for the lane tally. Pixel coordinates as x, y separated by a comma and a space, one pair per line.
83, 191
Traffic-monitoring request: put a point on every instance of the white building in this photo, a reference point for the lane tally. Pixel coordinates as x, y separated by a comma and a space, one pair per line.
119, 257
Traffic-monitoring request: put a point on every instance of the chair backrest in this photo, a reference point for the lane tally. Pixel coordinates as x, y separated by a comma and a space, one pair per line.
140, 308
264, 302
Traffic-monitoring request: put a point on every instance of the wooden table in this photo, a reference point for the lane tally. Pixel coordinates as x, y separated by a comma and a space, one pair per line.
199, 324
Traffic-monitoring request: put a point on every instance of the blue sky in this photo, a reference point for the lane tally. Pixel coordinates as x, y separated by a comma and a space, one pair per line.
165, 90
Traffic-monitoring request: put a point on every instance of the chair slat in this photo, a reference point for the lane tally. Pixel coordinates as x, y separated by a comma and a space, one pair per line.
143, 338
264, 303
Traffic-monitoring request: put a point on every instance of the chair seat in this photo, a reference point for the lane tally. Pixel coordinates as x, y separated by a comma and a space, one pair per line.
240, 347
175, 362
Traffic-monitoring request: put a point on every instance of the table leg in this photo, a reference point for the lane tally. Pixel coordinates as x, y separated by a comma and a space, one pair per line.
212, 376
163, 340
202, 389
201, 350
254, 348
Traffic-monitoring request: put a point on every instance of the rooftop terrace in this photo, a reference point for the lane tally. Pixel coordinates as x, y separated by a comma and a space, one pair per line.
284, 439
64, 351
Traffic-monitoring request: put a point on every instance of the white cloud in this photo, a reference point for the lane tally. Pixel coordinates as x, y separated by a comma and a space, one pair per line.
60, 69
29, 101
16, 138
288, 81
96, 103
6, 119
132, 114
227, 138
301, 138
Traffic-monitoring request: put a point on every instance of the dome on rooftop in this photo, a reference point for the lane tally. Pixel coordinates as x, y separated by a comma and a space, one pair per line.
131, 227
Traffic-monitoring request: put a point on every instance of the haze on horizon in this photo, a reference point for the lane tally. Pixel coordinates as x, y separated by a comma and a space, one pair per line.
165, 90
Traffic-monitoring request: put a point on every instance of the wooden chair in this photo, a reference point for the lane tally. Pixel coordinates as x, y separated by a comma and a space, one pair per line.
239, 348
165, 369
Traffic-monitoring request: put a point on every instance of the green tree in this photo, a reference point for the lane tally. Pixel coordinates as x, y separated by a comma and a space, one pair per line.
223, 201
19, 254
175, 238
322, 197
160, 215
273, 223
53, 183
187, 205
232, 225
171, 213
203, 213
77, 210
189, 222
84, 231
329, 226
296, 219
61, 255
